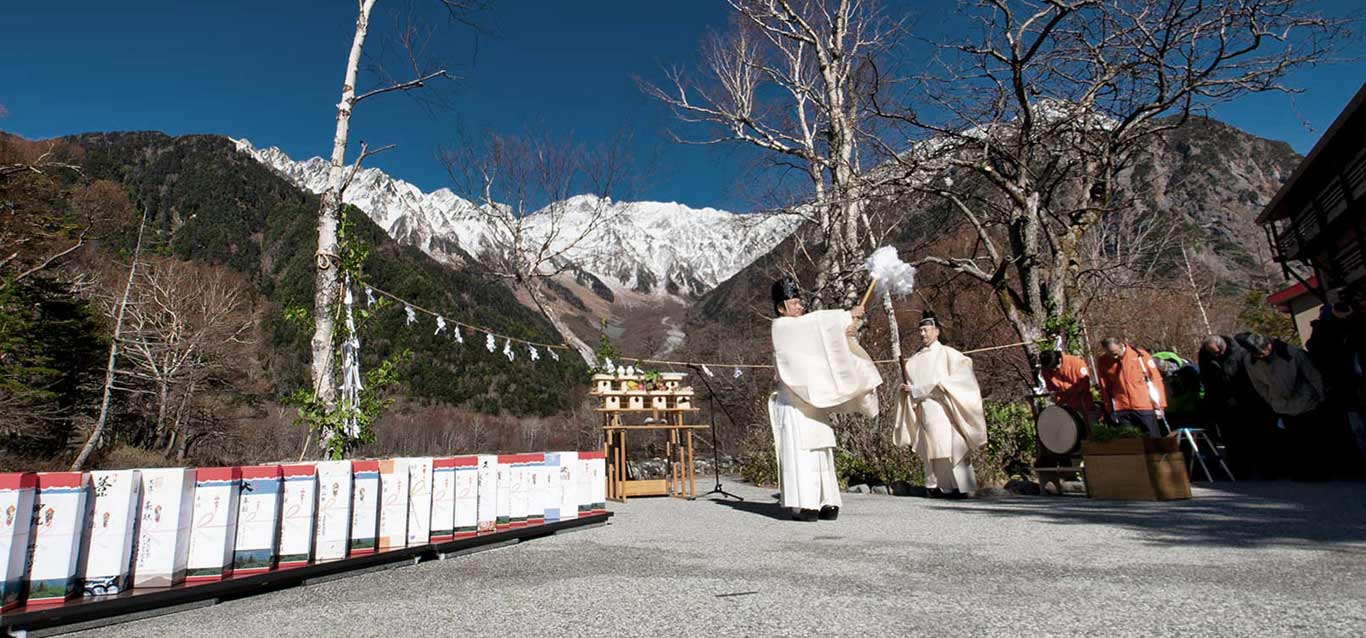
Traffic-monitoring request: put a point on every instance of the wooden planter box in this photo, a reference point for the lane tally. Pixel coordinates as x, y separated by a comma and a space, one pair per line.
1139, 469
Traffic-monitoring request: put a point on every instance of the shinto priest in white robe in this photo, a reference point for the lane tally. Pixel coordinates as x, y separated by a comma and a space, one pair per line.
821, 372
941, 418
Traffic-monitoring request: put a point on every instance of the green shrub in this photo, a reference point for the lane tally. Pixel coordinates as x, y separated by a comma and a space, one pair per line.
1010, 448
1106, 431
759, 468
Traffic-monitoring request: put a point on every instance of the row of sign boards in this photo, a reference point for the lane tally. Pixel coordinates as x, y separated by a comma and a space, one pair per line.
68, 534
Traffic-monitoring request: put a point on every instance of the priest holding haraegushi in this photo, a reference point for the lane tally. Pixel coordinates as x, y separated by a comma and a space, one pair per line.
821, 371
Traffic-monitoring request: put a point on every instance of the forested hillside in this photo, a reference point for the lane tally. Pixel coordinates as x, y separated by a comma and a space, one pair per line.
220, 226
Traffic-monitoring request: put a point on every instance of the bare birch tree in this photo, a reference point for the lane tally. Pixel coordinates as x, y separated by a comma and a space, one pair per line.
118, 310
544, 198
326, 281
1029, 128
181, 323
787, 79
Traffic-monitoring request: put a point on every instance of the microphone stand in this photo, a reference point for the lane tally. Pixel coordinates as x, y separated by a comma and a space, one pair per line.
715, 448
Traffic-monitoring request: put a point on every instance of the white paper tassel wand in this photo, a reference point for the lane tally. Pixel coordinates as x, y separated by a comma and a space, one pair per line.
894, 278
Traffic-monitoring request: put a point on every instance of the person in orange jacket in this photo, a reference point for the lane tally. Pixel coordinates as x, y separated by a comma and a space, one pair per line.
1066, 376
1131, 386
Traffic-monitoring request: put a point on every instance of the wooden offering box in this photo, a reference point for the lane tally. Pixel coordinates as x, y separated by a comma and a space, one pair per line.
634, 392
1137, 469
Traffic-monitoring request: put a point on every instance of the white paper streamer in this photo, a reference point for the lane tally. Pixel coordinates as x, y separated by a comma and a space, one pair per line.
459, 338
892, 274
738, 373
553, 355
507, 350
440, 324
708, 371
369, 297
490, 343
412, 316
607, 365
535, 356
351, 383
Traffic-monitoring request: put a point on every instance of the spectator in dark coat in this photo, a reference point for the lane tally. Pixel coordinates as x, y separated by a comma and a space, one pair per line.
1287, 380
1231, 404
1335, 346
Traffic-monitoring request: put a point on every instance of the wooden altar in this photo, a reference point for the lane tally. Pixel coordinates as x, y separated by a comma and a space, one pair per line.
633, 405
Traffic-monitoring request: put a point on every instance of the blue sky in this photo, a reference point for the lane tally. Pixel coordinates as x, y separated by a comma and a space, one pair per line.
271, 71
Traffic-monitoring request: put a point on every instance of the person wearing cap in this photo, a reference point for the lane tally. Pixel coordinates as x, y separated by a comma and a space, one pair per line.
940, 413
821, 371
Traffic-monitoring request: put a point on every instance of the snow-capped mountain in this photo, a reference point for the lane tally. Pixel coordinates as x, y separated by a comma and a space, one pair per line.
655, 248
660, 247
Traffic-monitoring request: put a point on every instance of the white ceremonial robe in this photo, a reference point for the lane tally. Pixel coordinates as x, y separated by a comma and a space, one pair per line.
942, 417
821, 371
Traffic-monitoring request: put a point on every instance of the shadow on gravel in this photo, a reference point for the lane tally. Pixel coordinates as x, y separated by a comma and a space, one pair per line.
1248, 514
771, 510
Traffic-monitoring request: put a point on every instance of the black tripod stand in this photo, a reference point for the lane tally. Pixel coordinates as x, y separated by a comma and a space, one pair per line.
715, 448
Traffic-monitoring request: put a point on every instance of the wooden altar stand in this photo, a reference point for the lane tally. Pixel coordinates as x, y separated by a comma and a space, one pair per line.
644, 412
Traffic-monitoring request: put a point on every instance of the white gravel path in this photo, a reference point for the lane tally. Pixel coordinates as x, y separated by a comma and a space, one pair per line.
1269, 559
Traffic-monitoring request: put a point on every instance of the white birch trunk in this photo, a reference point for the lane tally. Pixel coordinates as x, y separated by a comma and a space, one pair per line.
98, 430
325, 284
1195, 290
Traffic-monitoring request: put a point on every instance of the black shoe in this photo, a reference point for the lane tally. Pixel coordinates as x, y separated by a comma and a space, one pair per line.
806, 516
934, 492
830, 513
954, 496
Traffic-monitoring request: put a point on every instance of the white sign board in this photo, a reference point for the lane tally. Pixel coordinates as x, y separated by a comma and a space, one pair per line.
57, 526
466, 496
393, 509
297, 504
17, 491
110, 532
213, 531
332, 534
258, 517
365, 502
163, 548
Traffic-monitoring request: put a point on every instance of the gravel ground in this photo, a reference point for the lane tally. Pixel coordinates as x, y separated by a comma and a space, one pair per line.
1253, 559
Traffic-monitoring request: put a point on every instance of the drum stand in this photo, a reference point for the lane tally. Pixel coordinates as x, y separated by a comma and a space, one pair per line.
1050, 467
